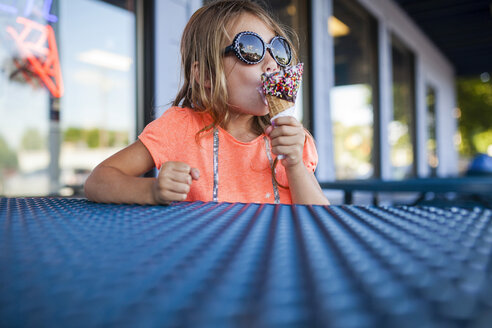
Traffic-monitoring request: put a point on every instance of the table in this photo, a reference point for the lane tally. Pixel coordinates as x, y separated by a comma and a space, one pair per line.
71, 263
478, 187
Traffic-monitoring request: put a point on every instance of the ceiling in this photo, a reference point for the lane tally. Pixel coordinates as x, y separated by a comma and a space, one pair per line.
462, 29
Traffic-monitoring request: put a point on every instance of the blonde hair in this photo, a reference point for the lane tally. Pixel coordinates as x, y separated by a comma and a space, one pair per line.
202, 48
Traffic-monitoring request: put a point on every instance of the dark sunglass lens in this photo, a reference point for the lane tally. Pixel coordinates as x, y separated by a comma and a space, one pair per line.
281, 51
251, 48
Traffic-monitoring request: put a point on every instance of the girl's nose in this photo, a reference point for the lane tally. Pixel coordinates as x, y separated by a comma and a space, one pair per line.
270, 63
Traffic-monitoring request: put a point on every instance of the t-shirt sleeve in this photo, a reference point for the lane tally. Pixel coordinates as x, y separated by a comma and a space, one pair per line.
310, 155
160, 135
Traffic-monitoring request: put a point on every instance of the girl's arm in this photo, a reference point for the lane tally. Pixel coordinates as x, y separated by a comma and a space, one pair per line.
288, 138
304, 188
117, 179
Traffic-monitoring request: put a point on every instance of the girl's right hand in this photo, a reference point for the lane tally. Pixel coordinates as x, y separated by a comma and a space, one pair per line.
173, 182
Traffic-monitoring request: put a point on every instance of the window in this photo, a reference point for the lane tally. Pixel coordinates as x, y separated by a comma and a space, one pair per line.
354, 99
402, 127
432, 158
66, 102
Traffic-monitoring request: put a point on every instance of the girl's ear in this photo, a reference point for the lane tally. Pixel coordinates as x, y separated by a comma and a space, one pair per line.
195, 70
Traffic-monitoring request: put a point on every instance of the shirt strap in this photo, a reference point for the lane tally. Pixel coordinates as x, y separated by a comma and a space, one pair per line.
215, 195
274, 183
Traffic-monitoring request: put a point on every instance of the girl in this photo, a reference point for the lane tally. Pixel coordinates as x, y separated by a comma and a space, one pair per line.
216, 142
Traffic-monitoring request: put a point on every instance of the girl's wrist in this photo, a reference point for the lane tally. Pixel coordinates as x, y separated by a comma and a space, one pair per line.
295, 168
155, 195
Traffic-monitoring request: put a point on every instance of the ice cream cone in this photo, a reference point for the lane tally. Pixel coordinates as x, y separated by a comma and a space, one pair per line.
280, 88
277, 105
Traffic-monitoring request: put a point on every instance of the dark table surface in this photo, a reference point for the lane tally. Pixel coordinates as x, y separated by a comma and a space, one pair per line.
70, 263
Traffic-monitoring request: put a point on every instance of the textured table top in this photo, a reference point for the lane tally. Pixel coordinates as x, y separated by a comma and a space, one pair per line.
70, 263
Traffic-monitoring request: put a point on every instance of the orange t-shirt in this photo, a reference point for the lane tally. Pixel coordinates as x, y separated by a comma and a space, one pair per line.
244, 173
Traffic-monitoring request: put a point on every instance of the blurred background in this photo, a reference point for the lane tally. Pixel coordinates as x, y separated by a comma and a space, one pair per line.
393, 89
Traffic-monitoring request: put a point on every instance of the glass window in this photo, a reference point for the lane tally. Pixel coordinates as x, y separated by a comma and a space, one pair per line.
354, 98
402, 126
294, 13
67, 91
432, 158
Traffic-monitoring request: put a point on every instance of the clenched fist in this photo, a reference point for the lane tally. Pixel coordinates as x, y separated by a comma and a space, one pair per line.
173, 182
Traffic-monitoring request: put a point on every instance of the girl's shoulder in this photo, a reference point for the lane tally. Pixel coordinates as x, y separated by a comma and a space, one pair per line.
176, 113
310, 155
183, 115
309, 140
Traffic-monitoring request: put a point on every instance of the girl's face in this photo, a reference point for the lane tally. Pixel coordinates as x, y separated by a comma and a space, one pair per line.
243, 79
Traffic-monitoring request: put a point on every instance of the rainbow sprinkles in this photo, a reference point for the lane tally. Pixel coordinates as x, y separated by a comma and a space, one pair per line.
283, 84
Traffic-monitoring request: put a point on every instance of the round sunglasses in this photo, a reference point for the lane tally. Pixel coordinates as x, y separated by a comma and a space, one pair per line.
250, 48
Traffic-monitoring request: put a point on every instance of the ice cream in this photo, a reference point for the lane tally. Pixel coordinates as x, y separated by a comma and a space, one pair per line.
280, 88
280, 91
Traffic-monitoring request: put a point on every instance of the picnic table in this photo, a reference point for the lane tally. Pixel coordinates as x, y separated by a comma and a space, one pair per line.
74, 263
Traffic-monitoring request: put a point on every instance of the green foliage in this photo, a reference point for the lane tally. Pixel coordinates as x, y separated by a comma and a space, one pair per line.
8, 158
32, 140
93, 138
403, 142
482, 141
475, 123
73, 135
353, 141
401, 102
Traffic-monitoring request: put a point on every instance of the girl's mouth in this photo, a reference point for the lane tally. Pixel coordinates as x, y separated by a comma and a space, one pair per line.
262, 95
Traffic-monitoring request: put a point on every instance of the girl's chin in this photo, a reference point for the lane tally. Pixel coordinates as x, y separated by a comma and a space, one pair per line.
264, 112
260, 110
264, 107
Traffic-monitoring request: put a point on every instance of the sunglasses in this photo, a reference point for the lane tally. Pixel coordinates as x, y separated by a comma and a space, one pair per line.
250, 48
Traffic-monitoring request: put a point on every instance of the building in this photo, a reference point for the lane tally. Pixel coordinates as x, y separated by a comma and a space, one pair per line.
79, 80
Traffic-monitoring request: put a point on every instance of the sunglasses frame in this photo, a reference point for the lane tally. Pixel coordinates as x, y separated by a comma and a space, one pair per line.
234, 47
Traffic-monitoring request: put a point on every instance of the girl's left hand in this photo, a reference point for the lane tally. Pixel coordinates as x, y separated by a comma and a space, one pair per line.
287, 138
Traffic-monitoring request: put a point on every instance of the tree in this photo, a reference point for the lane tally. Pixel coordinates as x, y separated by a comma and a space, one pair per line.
93, 138
73, 134
475, 123
8, 157
32, 140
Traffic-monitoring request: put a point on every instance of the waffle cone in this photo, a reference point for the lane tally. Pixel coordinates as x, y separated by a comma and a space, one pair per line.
277, 105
